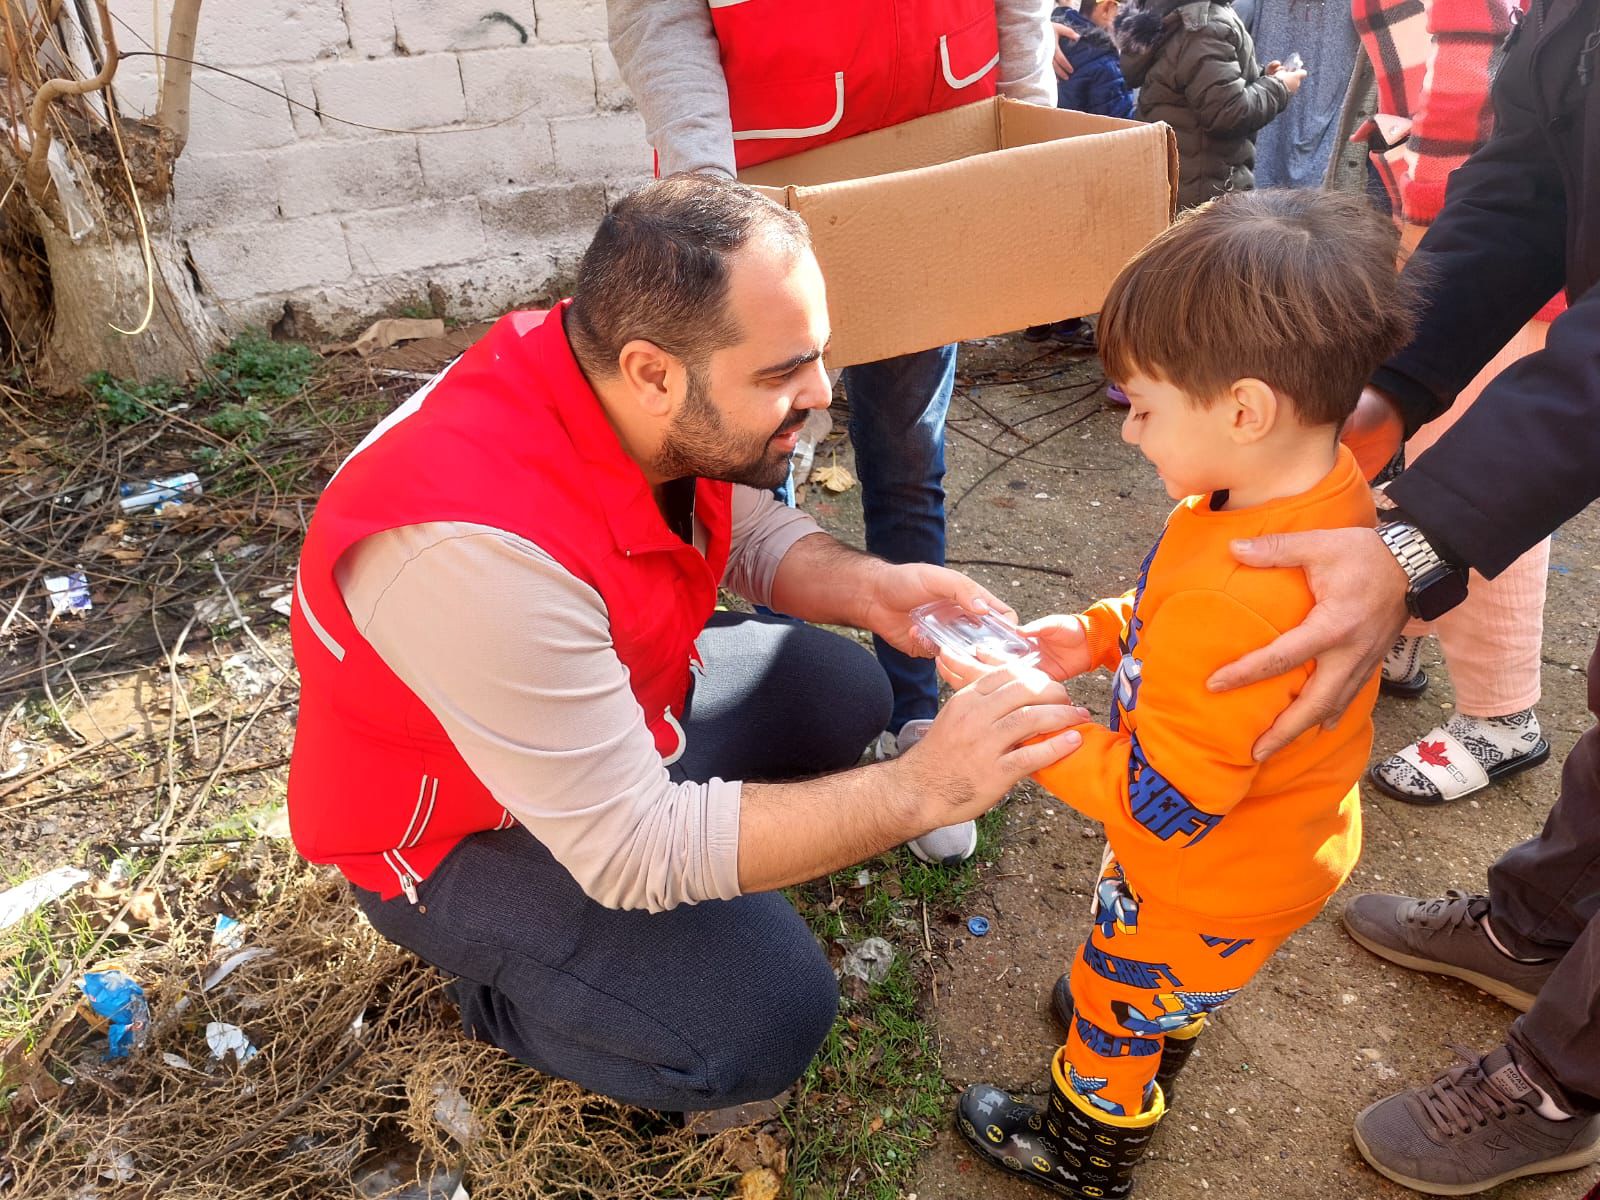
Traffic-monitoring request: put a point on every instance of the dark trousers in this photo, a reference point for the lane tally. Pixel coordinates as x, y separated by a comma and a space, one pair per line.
704, 1005
1545, 903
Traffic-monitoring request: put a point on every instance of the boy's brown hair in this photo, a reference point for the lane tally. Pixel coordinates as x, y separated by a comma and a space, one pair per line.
1298, 289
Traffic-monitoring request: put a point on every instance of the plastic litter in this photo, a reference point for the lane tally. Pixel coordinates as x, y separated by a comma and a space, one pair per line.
121, 1001
401, 1177
156, 494
231, 964
228, 934
216, 612
68, 594
225, 1039
80, 217
978, 926
20, 758
869, 962
116, 1166
35, 893
454, 1115
819, 424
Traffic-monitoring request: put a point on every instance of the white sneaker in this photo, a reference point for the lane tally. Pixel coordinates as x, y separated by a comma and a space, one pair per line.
949, 846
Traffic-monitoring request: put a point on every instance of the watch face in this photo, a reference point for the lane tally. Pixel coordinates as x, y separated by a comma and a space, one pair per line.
1437, 593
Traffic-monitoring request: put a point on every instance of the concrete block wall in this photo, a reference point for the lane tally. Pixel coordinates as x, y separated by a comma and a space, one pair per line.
371, 156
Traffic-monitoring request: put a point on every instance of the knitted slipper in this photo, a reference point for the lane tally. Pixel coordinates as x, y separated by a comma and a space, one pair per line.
1463, 756
1403, 675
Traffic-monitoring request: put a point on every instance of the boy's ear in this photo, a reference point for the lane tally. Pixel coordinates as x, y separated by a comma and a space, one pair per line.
647, 371
1255, 410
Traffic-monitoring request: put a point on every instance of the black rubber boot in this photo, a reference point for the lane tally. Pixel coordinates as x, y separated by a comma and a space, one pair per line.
1069, 1149
1176, 1047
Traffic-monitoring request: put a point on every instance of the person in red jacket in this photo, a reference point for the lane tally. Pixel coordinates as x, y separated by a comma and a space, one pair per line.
726, 84
524, 735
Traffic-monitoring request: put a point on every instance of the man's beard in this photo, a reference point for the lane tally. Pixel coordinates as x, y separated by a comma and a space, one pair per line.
698, 443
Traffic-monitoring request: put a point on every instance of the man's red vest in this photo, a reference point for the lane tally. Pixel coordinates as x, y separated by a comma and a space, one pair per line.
510, 436
803, 75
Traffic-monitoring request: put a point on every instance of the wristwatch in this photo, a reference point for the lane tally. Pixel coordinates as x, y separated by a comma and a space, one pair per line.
1436, 586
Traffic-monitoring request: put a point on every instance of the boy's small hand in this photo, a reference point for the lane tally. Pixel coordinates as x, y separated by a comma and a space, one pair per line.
1292, 79
1063, 647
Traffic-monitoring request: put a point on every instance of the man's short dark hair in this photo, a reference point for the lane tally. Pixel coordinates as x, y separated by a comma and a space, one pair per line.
657, 269
1296, 288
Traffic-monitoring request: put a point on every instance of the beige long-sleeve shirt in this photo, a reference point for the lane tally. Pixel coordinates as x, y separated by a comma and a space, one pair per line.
666, 52
513, 654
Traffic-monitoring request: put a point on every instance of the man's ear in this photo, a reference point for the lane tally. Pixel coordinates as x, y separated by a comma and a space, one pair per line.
1255, 410
648, 374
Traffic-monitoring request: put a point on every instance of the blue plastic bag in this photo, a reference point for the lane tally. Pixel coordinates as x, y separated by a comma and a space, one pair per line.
121, 1001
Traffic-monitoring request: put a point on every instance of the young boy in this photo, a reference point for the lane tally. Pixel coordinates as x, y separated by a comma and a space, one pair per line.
1243, 336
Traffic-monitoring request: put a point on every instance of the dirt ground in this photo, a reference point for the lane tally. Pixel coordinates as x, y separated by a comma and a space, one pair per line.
1266, 1103
1051, 510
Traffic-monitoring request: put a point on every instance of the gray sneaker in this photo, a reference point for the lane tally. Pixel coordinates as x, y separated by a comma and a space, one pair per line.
1445, 936
1472, 1128
950, 845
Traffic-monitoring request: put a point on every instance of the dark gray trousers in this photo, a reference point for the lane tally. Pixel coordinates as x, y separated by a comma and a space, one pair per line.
1545, 899
705, 1005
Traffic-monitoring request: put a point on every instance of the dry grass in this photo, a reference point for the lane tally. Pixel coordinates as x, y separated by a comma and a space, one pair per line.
358, 1055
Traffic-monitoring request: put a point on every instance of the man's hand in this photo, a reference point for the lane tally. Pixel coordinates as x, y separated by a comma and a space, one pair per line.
1374, 432
1063, 67
897, 589
1360, 594
975, 752
982, 742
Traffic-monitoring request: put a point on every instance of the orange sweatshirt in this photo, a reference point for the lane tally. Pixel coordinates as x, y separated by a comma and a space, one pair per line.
1224, 843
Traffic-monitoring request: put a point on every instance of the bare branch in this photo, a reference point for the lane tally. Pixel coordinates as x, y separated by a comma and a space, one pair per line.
36, 175
172, 112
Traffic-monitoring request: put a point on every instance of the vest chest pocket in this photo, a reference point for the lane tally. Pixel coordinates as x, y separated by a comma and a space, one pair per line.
788, 111
968, 57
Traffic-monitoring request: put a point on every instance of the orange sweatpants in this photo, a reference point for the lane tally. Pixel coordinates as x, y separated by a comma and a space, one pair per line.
1139, 977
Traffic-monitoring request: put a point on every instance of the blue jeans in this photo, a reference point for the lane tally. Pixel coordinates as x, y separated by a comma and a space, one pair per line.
897, 415
704, 1005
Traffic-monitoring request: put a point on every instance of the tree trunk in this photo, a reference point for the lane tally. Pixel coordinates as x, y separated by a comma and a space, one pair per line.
118, 301
99, 282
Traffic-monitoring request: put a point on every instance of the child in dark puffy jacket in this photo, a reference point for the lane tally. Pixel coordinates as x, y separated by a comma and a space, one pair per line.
1195, 67
1095, 84
1089, 79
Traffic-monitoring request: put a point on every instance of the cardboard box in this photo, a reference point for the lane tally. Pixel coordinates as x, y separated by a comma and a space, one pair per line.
975, 221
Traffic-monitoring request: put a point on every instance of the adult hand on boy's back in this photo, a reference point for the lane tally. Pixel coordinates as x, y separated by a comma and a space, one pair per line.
1360, 608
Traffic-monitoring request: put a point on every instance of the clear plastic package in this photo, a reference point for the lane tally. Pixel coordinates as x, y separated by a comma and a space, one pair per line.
951, 627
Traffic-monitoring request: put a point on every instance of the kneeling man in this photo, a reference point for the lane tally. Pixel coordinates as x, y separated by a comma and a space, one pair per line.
544, 760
